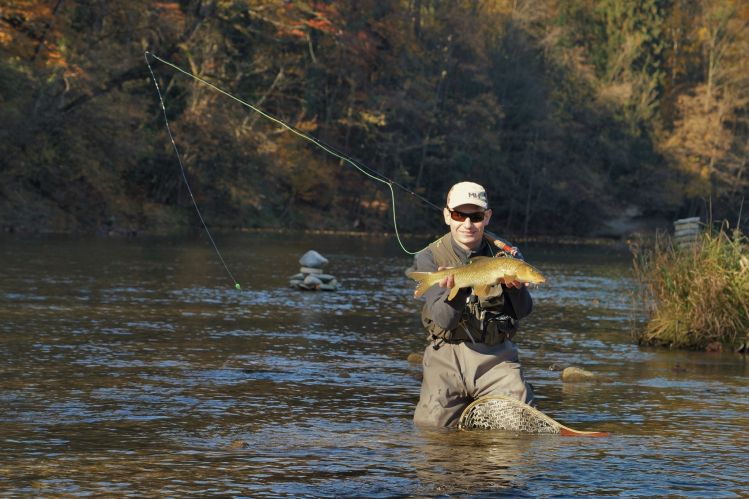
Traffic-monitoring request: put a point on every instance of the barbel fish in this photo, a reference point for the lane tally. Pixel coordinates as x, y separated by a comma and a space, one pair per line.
480, 273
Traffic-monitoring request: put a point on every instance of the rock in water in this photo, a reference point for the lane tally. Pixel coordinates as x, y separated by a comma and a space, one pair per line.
311, 280
239, 444
310, 276
573, 374
310, 270
415, 358
313, 259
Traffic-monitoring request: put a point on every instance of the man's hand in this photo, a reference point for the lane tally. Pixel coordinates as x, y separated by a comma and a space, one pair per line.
447, 282
512, 283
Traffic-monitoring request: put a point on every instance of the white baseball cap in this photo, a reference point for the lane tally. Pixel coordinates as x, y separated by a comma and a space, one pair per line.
467, 193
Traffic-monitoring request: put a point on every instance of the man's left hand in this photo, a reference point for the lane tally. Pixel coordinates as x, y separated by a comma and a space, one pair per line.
512, 283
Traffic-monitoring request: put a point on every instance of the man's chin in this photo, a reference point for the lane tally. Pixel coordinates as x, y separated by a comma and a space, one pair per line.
469, 241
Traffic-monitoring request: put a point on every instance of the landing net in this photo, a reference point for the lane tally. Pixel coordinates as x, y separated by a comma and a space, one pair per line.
501, 413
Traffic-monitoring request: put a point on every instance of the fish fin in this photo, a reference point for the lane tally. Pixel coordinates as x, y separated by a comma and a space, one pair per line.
482, 291
453, 291
423, 280
477, 259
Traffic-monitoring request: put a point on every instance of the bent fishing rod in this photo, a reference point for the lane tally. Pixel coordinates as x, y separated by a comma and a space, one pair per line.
362, 168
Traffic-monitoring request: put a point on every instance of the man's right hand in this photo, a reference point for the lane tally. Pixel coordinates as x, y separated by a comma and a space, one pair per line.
447, 282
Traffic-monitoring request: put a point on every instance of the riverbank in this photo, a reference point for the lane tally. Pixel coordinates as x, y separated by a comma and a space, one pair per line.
426, 235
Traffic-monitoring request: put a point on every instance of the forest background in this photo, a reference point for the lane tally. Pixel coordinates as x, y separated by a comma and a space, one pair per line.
581, 117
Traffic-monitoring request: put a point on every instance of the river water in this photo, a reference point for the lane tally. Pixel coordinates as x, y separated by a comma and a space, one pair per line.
133, 367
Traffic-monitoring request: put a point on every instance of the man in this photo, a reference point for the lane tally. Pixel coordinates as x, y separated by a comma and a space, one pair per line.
469, 354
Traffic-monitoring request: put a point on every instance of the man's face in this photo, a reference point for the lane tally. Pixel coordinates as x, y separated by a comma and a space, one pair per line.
467, 234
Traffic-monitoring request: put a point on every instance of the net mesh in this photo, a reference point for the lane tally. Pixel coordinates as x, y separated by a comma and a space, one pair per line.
500, 413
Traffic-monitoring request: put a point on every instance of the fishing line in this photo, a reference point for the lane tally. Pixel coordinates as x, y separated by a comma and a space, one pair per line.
369, 172
184, 177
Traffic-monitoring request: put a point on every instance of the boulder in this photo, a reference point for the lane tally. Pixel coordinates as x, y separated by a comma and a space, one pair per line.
312, 280
415, 358
313, 259
294, 283
575, 374
310, 270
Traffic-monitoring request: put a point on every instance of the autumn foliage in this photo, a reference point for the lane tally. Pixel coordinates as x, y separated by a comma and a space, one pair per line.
580, 117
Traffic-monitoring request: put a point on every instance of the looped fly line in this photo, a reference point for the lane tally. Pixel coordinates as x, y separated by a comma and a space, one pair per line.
370, 173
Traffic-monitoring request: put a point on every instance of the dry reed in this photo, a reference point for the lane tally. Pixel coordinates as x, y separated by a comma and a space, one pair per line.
696, 297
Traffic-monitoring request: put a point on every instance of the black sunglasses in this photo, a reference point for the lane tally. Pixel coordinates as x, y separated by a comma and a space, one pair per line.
459, 216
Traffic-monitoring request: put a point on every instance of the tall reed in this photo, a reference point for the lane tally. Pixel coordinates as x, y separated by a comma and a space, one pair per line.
696, 297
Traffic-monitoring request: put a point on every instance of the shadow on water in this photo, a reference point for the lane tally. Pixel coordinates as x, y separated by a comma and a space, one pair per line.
135, 367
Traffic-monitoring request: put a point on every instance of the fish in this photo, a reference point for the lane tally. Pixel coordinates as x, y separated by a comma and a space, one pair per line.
480, 273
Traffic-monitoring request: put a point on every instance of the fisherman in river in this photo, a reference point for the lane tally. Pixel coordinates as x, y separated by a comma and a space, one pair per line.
470, 353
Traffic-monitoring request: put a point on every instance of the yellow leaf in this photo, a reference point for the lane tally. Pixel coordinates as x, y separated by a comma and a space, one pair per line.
373, 118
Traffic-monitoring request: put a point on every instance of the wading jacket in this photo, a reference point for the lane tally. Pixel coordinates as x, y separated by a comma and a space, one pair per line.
465, 317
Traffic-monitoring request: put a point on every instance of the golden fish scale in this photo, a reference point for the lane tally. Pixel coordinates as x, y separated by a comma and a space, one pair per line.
484, 271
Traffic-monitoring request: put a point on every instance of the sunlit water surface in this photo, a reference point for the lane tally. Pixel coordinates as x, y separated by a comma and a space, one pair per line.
135, 367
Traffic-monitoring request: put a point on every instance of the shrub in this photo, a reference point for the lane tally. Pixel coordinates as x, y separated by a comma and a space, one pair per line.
696, 297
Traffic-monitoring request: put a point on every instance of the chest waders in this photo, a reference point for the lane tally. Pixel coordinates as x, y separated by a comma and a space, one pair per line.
489, 321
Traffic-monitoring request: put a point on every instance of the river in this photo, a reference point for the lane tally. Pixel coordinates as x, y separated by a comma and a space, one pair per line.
133, 367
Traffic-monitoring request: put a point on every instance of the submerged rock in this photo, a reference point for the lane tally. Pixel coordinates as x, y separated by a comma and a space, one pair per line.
415, 358
574, 374
239, 444
714, 346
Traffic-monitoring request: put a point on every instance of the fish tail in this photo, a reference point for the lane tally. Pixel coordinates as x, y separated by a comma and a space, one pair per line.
424, 281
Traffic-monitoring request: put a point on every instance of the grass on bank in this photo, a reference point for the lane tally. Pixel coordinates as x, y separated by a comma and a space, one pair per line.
696, 297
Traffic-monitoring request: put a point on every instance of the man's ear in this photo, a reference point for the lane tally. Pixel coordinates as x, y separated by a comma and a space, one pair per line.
487, 216
446, 215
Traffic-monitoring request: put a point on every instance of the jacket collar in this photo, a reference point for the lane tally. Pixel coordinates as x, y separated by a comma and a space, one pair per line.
467, 255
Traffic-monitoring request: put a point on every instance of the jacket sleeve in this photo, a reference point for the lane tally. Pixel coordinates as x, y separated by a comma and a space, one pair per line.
446, 314
518, 302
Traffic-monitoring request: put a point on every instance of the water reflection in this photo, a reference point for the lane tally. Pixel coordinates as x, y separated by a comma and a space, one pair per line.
135, 367
492, 463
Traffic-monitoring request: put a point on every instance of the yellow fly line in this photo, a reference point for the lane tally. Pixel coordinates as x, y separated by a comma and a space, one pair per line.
365, 170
